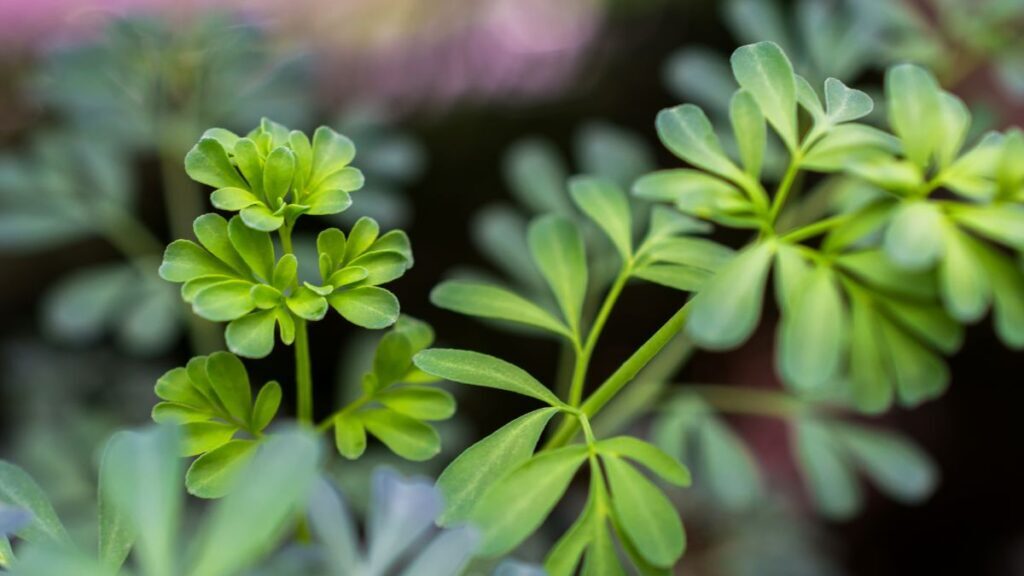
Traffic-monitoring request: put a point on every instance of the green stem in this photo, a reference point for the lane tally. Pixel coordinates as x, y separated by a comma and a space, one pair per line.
739, 400
647, 388
303, 374
815, 229
356, 404
624, 375
583, 355
285, 233
784, 188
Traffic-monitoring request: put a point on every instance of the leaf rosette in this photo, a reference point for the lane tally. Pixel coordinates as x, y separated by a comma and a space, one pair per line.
233, 275
272, 175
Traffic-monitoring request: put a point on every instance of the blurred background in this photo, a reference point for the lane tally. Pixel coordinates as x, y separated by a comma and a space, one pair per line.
467, 116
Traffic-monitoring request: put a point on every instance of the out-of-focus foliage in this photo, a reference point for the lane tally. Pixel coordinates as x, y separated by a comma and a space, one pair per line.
141, 511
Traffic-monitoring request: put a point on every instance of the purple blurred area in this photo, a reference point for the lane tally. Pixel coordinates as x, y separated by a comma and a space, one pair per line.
409, 53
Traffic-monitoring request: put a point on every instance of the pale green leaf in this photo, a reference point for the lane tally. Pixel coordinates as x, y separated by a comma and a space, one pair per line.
914, 106
515, 506
216, 472
749, 129
494, 302
466, 479
366, 306
810, 349
764, 71
727, 309
405, 436
646, 515
558, 251
474, 368
608, 207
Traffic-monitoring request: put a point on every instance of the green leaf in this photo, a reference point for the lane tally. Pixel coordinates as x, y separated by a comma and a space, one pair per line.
749, 129
845, 104
810, 350
215, 473
145, 483
683, 278
914, 238
349, 436
254, 246
200, 437
248, 522
536, 175
361, 237
647, 517
873, 383
208, 163
763, 70
252, 336
474, 368
688, 133
116, 532
367, 306
899, 468
731, 472
278, 172
964, 284
212, 232
268, 401
381, 267
185, 260
331, 153
828, 474
250, 163
405, 436
649, 455
565, 555
419, 402
608, 207
233, 199
334, 200
557, 249
1002, 223
918, 373
602, 559
850, 144
953, 123
224, 301
466, 479
1007, 286
914, 107
231, 383
487, 301
18, 489
307, 304
726, 310
515, 506
259, 217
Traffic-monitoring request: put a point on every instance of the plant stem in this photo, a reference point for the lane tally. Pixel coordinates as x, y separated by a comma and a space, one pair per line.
646, 389
303, 374
746, 400
784, 187
624, 375
356, 404
579, 375
285, 233
812, 230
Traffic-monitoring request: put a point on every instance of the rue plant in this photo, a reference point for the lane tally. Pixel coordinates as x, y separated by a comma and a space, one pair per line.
872, 296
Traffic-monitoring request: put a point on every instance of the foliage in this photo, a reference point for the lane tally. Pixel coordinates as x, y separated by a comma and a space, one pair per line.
889, 318
141, 510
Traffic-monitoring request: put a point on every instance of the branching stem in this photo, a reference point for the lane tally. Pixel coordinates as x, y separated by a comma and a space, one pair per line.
584, 354
621, 377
